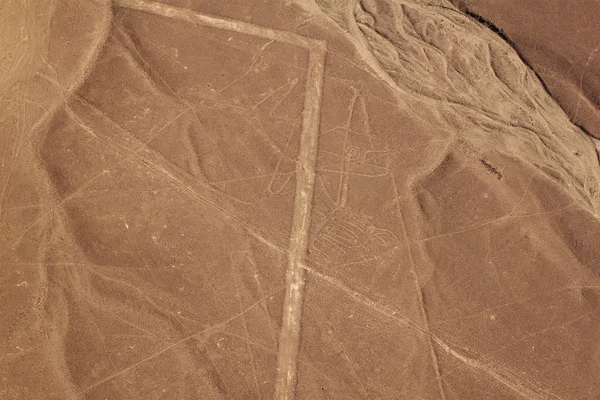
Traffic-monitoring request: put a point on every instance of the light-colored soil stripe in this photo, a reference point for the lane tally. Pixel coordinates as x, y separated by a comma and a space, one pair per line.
289, 338
527, 389
220, 22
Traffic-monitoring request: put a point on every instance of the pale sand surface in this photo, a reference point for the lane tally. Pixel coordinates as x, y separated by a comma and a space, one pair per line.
289, 199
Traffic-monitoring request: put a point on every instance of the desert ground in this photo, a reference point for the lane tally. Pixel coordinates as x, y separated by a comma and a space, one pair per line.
560, 41
299, 199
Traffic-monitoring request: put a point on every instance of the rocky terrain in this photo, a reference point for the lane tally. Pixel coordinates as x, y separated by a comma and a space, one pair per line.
560, 41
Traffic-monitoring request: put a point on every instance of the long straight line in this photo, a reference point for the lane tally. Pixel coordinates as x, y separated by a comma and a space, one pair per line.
419, 292
529, 390
289, 337
219, 22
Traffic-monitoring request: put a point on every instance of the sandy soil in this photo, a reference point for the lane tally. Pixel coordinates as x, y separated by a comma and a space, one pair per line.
561, 42
289, 199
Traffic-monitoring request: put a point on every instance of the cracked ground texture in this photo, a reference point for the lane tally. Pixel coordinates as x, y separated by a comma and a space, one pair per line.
288, 199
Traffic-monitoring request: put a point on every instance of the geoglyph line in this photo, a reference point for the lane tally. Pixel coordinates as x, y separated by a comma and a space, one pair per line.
221, 23
511, 379
289, 337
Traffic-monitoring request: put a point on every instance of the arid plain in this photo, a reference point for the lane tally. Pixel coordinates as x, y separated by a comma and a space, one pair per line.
292, 199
